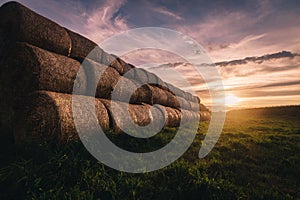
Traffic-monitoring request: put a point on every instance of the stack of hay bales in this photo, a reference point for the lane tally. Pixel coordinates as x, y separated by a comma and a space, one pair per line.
39, 64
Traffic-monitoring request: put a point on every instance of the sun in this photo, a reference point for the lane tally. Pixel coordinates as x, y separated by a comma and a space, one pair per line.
231, 100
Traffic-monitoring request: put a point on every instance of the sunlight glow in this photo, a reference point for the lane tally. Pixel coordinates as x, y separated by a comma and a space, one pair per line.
231, 100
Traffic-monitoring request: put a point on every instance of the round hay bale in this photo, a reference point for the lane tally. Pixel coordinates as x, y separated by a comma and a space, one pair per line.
203, 107
141, 115
173, 117
173, 89
187, 105
197, 99
107, 59
138, 74
195, 107
205, 116
49, 117
107, 81
158, 96
31, 68
143, 76
152, 78
129, 91
19, 23
120, 118
116, 65
166, 98
83, 47
126, 67
156, 81
189, 117
172, 100
100, 76
115, 62
184, 104
178, 92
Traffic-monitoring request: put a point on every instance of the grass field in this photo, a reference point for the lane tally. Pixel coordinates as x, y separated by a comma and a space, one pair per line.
256, 157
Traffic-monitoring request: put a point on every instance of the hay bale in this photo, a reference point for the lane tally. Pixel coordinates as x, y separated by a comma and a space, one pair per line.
166, 98
126, 115
108, 80
189, 117
183, 103
138, 74
126, 67
107, 59
114, 63
49, 117
205, 115
31, 68
83, 47
6, 109
178, 92
129, 91
203, 107
188, 105
158, 96
143, 76
100, 78
173, 117
19, 23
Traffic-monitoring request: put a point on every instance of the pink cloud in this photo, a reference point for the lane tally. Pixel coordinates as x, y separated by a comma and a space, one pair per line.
167, 13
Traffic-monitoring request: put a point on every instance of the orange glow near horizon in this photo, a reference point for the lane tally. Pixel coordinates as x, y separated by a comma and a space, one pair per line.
231, 100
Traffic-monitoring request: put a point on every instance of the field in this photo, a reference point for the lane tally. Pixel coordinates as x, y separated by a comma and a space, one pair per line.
256, 157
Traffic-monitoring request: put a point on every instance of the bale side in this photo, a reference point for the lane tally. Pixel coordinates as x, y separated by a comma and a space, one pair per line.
108, 80
166, 98
49, 117
189, 116
141, 115
83, 47
173, 117
32, 68
6, 106
126, 67
19, 23
101, 79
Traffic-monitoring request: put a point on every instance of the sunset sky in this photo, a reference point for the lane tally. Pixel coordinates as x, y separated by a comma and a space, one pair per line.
254, 44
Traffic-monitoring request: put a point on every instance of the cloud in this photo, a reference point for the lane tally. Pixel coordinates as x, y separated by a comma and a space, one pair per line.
253, 59
259, 60
105, 21
246, 40
167, 13
281, 84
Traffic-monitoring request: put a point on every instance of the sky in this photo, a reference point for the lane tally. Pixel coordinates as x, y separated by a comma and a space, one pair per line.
255, 45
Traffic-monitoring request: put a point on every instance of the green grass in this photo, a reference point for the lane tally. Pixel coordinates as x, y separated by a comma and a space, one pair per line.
256, 157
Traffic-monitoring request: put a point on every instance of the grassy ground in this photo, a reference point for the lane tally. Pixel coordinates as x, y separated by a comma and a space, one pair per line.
256, 157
